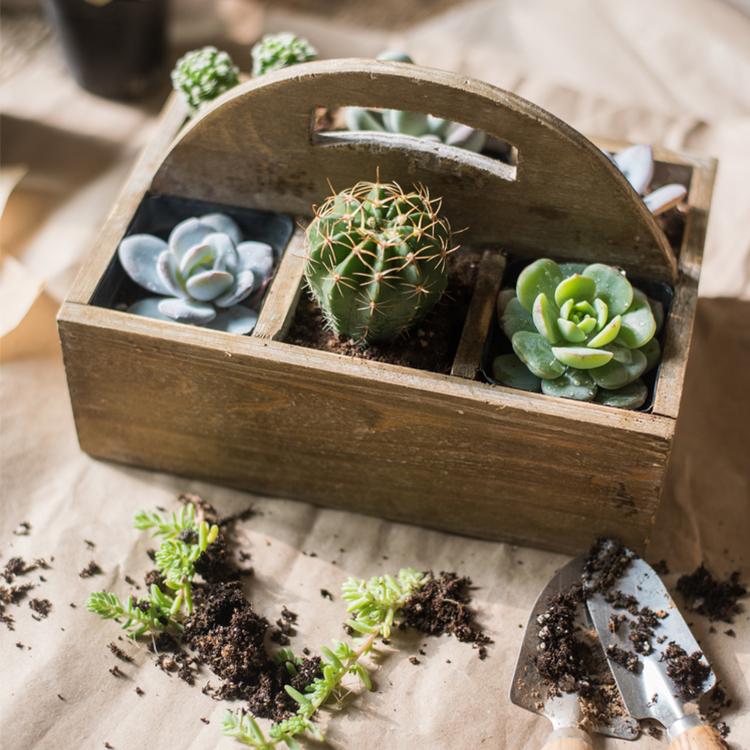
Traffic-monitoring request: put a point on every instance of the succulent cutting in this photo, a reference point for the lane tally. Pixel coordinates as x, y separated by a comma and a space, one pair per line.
377, 259
202, 273
415, 124
276, 51
637, 164
203, 74
578, 331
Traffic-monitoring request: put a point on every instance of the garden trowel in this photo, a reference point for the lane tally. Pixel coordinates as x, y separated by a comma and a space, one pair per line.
649, 692
529, 691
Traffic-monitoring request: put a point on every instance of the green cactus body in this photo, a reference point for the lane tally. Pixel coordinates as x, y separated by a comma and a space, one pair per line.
578, 331
377, 259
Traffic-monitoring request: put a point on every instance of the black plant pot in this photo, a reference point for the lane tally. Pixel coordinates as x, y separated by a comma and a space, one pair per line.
115, 50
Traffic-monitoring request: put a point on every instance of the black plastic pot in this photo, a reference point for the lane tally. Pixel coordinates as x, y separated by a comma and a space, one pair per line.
115, 50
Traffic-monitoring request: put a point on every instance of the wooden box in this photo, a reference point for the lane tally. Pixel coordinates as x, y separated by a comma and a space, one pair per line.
447, 451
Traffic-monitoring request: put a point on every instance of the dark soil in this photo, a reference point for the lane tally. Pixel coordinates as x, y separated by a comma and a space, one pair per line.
624, 658
41, 607
689, 672
430, 345
606, 563
120, 654
442, 606
228, 636
172, 658
710, 597
92, 569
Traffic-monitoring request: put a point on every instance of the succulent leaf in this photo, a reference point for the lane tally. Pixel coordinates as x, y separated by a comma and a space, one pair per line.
631, 396
224, 225
208, 285
666, 197
544, 316
568, 269
571, 331
614, 374
575, 384
148, 308
608, 334
575, 287
611, 286
516, 318
638, 325
359, 118
138, 254
238, 319
244, 283
257, 257
187, 234
508, 370
537, 354
637, 164
652, 351
581, 357
377, 259
542, 275
187, 311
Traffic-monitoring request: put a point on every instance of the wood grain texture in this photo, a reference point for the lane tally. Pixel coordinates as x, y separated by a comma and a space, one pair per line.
283, 294
255, 146
468, 357
359, 435
170, 120
681, 318
698, 738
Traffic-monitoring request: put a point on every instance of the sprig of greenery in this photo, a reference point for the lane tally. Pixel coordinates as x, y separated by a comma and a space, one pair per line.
184, 541
150, 615
374, 605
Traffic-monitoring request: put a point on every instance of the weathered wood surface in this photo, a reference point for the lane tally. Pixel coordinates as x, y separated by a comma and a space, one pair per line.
468, 357
283, 295
255, 146
364, 436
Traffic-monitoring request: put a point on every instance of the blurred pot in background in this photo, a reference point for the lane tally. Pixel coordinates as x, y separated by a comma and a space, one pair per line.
114, 48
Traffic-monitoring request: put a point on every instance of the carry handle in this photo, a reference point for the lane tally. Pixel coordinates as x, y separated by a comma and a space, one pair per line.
254, 147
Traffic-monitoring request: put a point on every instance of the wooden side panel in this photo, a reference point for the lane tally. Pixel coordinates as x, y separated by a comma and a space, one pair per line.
367, 437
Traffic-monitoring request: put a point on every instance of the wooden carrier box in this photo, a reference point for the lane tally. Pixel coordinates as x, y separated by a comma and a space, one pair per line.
446, 451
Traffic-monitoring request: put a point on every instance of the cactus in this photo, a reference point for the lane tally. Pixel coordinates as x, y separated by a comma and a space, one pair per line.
203, 272
275, 51
203, 74
578, 331
377, 259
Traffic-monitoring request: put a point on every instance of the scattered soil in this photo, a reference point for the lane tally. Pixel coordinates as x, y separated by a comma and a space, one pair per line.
710, 597
606, 563
120, 654
41, 607
92, 569
430, 345
660, 568
284, 627
326, 594
624, 658
173, 659
22, 529
228, 636
116, 671
442, 606
16, 566
688, 671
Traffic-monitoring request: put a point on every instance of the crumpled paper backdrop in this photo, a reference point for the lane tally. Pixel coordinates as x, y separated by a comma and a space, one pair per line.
675, 73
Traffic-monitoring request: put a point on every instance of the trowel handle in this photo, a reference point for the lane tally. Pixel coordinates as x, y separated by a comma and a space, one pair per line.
698, 738
570, 738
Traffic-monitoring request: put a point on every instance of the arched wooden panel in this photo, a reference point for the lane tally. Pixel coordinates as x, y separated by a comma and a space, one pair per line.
255, 146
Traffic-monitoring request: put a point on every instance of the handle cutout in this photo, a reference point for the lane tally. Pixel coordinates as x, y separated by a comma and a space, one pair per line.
490, 154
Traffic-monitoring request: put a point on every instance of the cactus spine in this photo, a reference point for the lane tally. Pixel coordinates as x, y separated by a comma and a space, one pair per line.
377, 259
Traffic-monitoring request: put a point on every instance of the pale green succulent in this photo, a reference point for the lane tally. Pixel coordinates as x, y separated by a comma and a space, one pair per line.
578, 331
202, 273
276, 51
415, 124
203, 74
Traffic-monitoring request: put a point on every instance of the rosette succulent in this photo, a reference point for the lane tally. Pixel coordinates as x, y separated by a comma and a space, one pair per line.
201, 274
415, 124
637, 164
578, 331
377, 259
275, 51
203, 74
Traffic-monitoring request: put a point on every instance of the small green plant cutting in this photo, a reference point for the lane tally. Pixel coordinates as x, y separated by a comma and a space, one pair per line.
184, 540
377, 259
578, 331
374, 607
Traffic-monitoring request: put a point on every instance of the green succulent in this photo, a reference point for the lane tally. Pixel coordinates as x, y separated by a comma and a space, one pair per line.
376, 259
203, 74
578, 331
275, 51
